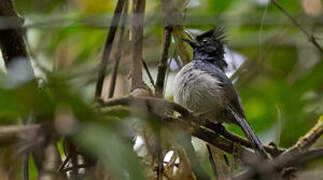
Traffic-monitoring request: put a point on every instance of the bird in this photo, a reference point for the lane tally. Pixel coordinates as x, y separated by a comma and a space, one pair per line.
203, 87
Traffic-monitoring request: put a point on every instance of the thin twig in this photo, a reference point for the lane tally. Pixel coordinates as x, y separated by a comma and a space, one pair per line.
62, 165
108, 47
148, 73
137, 29
309, 35
162, 67
119, 50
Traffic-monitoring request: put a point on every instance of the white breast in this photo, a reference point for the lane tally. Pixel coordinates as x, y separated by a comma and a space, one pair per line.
198, 91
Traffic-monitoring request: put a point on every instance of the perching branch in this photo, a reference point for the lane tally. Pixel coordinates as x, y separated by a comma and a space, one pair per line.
295, 154
161, 107
271, 169
309, 35
108, 47
218, 128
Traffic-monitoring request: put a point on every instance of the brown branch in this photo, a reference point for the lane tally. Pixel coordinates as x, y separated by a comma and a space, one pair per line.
161, 107
119, 50
13, 134
295, 153
137, 29
218, 128
309, 35
108, 47
210, 137
157, 105
271, 168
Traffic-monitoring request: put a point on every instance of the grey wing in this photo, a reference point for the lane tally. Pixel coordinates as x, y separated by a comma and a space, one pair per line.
232, 97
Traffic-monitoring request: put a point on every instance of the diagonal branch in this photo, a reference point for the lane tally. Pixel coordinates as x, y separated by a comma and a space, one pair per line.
269, 169
309, 35
119, 50
148, 73
305, 142
309, 138
108, 47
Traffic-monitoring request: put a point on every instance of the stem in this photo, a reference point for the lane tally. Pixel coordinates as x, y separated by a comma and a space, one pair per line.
137, 29
108, 47
118, 53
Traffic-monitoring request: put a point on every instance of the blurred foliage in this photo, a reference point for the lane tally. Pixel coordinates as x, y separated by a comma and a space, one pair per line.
280, 82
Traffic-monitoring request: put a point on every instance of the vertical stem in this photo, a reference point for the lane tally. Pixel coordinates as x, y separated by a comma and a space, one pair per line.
162, 67
119, 49
108, 47
137, 29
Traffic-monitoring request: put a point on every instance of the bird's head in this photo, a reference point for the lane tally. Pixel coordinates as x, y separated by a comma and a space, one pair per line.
209, 46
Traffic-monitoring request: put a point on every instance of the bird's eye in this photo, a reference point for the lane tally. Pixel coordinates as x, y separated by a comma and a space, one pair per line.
204, 40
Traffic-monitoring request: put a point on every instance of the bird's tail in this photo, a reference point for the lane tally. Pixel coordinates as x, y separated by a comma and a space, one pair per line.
247, 129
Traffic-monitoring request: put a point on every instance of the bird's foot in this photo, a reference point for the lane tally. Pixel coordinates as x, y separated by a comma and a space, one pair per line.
217, 127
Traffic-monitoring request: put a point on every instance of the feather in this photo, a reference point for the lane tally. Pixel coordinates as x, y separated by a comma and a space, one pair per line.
247, 129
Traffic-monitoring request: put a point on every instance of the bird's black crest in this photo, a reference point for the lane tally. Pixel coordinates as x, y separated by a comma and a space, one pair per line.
209, 46
217, 34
